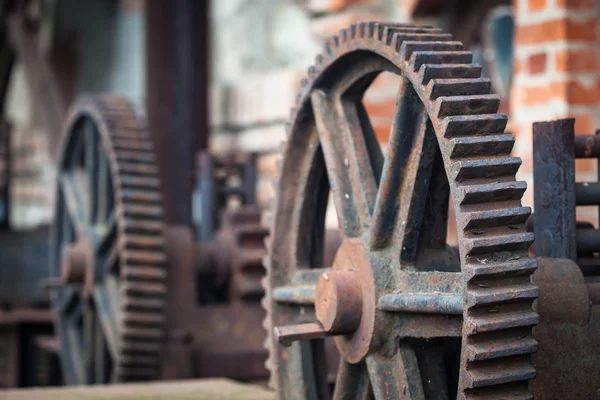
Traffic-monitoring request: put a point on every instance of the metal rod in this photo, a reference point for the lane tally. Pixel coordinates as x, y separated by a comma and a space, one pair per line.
422, 303
300, 294
588, 240
587, 193
176, 92
285, 335
554, 189
587, 146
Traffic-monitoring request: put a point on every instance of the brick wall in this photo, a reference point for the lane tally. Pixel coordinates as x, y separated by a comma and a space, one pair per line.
556, 73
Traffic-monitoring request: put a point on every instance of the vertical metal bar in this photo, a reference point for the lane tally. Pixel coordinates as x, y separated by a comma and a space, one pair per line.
250, 179
554, 188
597, 136
207, 195
176, 93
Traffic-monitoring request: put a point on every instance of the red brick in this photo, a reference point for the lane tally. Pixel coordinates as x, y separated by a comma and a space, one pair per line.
584, 124
577, 60
381, 115
380, 102
571, 92
577, 5
536, 5
519, 66
537, 63
560, 29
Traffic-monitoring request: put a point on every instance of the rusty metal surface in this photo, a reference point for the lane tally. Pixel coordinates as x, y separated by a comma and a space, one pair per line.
177, 61
9, 356
107, 246
24, 257
446, 143
206, 339
553, 183
567, 357
556, 195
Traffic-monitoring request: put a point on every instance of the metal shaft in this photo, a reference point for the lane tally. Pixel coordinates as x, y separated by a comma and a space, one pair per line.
176, 91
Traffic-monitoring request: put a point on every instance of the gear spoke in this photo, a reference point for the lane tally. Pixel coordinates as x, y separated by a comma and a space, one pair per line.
348, 162
396, 377
91, 165
106, 310
352, 382
74, 200
405, 180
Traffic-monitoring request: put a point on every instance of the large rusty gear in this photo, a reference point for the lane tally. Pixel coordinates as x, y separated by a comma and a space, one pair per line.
430, 327
109, 297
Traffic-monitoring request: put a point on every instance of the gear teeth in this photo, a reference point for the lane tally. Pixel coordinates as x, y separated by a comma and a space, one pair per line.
141, 211
144, 242
492, 192
494, 347
408, 47
135, 156
517, 391
428, 72
387, 33
474, 125
140, 303
490, 375
139, 196
142, 333
135, 287
319, 60
466, 105
480, 296
499, 242
458, 87
470, 169
144, 273
495, 321
143, 319
482, 268
332, 43
133, 168
478, 146
399, 38
140, 182
493, 218
135, 226
419, 58
135, 257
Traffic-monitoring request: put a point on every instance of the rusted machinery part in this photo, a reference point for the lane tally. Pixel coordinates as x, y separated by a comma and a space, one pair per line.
234, 257
109, 296
416, 303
